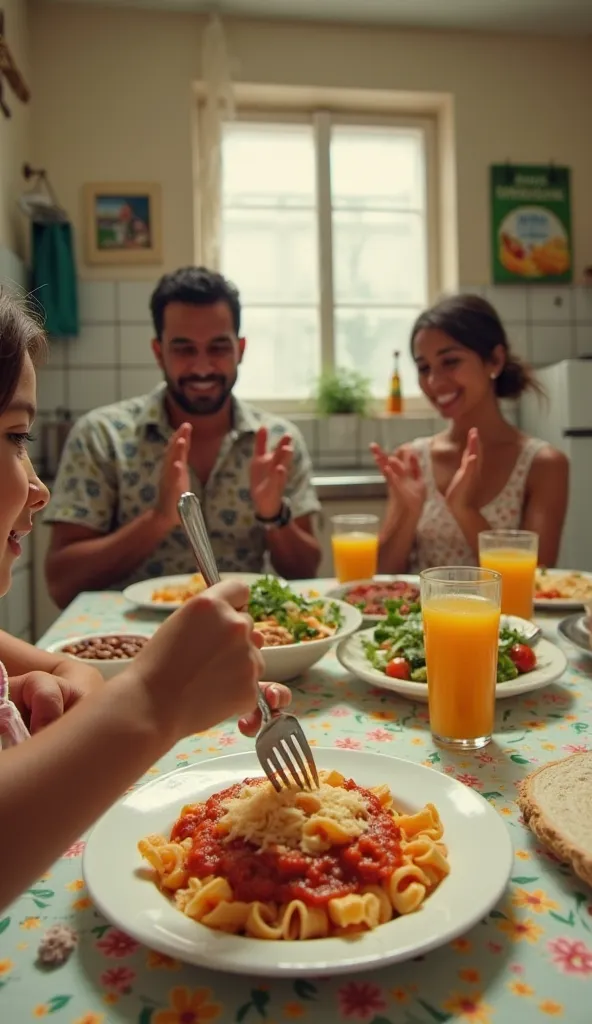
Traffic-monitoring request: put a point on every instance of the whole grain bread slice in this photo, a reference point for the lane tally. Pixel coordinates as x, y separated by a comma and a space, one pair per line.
556, 803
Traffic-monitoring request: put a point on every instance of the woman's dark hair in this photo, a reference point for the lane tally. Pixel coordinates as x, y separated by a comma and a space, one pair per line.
474, 323
20, 333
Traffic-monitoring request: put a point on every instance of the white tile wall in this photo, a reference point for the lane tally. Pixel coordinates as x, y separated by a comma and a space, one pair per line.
134, 301
551, 342
510, 302
583, 305
51, 387
138, 381
584, 339
96, 345
134, 345
90, 388
551, 305
97, 302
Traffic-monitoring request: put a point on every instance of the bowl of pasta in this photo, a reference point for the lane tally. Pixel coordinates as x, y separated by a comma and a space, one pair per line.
297, 629
109, 653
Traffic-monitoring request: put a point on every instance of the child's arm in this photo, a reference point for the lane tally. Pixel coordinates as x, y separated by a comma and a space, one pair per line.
19, 657
200, 667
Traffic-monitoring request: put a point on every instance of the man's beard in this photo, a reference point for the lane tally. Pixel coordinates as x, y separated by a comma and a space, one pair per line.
201, 405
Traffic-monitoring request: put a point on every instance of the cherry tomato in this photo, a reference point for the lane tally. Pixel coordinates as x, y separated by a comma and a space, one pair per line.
398, 668
523, 657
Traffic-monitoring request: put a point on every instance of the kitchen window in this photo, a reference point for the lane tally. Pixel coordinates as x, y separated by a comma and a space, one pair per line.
327, 228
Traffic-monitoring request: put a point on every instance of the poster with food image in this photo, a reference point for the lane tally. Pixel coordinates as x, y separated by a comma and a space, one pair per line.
531, 224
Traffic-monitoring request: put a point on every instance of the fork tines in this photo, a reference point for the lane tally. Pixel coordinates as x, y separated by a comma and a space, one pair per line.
288, 754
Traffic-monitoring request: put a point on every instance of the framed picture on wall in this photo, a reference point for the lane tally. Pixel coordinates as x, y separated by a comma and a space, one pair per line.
122, 223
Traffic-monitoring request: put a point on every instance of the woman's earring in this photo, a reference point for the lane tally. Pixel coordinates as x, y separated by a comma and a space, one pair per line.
493, 376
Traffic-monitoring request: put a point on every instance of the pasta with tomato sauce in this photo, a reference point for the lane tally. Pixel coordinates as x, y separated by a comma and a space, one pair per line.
299, 865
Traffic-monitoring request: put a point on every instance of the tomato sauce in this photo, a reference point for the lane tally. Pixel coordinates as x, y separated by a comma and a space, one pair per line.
280, 876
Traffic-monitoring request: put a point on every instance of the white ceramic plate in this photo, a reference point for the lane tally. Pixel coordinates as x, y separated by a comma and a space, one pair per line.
141, 593
133, 903
341, 589
561, 604
576, 632
551, 663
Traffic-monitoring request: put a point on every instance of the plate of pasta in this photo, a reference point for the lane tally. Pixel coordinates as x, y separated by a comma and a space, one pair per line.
376, 866
562, 589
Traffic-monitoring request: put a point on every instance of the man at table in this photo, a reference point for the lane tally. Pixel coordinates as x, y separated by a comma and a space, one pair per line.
114, 505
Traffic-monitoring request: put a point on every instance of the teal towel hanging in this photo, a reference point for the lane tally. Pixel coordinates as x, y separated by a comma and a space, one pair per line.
53, 273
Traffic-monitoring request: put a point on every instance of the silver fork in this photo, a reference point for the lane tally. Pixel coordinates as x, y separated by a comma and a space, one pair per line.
280, 738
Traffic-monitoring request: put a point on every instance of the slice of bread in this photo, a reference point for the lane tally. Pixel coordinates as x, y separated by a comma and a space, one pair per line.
556, 803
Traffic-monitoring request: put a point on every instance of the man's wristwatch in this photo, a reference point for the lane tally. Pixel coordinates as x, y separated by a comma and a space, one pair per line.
276, 522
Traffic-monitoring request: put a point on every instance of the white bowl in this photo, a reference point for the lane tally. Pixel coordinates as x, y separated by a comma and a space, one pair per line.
285, 663
108, 669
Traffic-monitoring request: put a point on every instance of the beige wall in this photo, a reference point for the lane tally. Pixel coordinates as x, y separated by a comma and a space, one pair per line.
14, 131
113, 101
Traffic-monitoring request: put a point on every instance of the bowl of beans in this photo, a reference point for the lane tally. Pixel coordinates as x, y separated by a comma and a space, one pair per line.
110, 653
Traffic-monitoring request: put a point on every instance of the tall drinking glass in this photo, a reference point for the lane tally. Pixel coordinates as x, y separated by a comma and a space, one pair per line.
461, 617
355, 546
513, 553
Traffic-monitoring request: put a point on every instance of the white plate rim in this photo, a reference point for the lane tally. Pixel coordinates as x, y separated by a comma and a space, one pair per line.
338, 589
136, 906
351, 657
563, 626
133, 592
561, 604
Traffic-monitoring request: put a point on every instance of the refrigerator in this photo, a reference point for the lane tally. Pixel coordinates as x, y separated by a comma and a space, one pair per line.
564, 419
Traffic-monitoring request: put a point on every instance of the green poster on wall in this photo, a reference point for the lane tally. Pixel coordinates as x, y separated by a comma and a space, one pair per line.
531, 224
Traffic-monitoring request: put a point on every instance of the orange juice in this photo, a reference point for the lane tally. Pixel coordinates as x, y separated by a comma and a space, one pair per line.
355, 555
461, 642
517, 568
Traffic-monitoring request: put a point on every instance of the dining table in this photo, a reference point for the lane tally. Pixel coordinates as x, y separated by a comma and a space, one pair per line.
529, 960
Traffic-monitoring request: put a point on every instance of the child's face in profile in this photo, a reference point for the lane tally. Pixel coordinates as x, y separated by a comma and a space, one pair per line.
21, 492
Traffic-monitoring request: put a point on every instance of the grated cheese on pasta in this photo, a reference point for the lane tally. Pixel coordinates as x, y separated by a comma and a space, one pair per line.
311, 822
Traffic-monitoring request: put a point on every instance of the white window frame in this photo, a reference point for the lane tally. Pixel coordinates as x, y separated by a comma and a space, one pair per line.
322, 110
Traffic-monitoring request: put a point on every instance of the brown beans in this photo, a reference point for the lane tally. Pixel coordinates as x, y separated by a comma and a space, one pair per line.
106, 648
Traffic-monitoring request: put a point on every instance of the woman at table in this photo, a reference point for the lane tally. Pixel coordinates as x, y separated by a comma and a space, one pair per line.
54, 785
480, 472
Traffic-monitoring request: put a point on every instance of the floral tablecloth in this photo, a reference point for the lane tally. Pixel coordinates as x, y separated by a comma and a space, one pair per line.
530, 960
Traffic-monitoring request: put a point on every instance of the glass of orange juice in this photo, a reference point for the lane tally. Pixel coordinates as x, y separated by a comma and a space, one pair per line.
513, 553
461, 618
355, 546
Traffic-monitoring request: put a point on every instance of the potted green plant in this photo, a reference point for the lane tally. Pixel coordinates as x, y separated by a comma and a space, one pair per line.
343, 392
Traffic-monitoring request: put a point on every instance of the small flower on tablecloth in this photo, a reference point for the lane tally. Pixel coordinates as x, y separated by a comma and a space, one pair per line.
361, 1001
347, 743
31, 923
536, 900
520, 988
188, 1007
119, 978
117, 944
155, 961
469, 1009
550, 1007
5, 967
470, 975
571, 957
518, 929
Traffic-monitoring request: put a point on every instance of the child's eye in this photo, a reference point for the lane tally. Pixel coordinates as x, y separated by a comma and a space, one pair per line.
21, 440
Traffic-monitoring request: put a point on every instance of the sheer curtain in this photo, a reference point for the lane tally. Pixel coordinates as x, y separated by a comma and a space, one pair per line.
218, 107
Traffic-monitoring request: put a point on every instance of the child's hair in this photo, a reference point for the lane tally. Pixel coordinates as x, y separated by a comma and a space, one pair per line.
19, 334
474, 323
